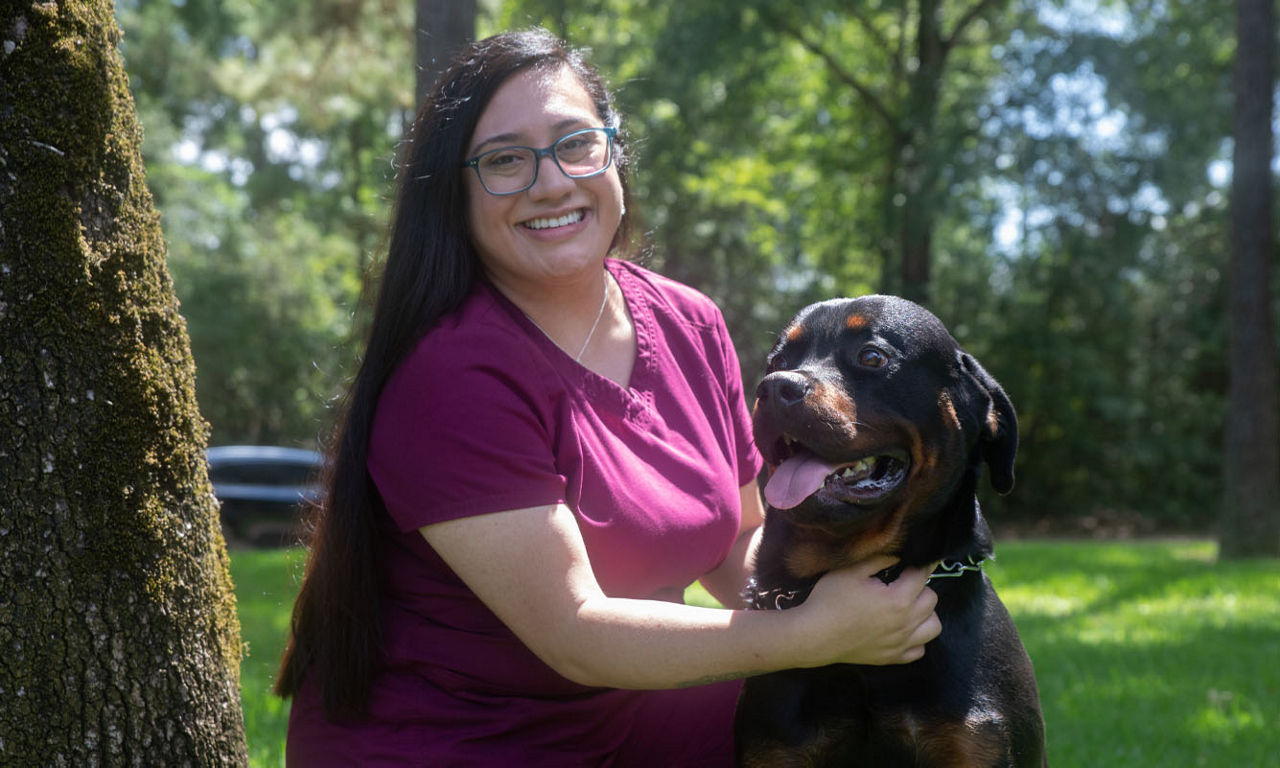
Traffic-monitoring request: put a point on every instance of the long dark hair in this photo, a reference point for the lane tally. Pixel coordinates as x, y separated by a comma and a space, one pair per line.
430, 268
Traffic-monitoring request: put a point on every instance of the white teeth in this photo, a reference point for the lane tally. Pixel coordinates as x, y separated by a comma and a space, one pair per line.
563, 221
858, 468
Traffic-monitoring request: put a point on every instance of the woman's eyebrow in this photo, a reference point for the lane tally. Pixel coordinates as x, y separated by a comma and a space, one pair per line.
507, 139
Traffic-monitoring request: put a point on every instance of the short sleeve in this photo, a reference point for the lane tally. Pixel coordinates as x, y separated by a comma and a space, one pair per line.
463, 428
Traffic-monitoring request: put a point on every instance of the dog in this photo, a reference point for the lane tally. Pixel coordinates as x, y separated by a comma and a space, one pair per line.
876, 425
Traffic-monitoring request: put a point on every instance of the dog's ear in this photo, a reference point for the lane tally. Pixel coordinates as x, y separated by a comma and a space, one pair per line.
999, 435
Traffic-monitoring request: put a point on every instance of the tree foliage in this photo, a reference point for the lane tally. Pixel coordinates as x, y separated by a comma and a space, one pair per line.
1076, 238
1047, 174
270, 131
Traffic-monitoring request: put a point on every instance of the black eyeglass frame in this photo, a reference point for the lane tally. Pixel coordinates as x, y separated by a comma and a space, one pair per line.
610, 134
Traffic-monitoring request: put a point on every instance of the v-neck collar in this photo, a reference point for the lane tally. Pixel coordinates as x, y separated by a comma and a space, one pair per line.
635, 399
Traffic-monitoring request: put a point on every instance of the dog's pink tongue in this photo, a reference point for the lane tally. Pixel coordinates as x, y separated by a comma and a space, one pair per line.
796, 479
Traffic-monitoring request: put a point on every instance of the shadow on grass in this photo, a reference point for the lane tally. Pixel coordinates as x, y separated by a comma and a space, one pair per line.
1149, 653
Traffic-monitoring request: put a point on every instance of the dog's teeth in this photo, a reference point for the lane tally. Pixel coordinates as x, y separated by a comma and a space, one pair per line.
858, 468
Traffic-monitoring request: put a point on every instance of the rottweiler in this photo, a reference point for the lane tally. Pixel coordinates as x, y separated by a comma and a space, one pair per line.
876, 425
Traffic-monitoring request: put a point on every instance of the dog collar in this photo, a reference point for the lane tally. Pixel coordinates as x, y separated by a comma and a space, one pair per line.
950, 569
776, 599
781, 598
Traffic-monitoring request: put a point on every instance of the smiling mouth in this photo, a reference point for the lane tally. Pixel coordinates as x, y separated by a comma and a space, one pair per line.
573, 217
866, 480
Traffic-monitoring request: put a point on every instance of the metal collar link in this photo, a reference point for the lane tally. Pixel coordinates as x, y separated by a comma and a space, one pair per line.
950, 569
776, 599
781, 598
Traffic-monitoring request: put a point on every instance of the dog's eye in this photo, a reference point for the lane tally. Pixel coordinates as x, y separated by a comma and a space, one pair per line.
871, 357
778, 363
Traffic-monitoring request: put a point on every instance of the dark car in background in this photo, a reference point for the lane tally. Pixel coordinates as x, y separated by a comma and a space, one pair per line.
262, 490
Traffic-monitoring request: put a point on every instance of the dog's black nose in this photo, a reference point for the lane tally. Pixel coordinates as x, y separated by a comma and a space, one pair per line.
787, 387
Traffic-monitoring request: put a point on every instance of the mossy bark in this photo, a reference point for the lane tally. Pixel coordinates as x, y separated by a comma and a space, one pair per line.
119, 643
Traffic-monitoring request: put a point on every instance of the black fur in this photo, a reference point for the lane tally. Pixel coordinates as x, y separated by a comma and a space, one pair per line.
881, 376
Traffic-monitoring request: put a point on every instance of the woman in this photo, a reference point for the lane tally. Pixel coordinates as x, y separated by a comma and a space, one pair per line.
542, 448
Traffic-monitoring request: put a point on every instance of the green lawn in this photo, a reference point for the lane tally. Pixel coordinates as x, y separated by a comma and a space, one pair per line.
266, 583
1147, 654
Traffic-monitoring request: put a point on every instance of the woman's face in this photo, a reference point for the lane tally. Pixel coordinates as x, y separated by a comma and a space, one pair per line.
560, 227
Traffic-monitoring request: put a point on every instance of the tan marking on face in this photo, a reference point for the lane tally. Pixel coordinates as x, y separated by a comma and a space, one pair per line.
832, 406
922, 460
857, 322
922, 482
948, 409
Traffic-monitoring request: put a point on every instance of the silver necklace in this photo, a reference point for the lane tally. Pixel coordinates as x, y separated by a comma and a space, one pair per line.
599, 314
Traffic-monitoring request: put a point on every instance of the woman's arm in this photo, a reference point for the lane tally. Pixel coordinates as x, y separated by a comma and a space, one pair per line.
728, 580
530, 567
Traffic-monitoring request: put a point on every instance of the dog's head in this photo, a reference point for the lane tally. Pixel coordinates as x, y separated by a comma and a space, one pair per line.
875, 424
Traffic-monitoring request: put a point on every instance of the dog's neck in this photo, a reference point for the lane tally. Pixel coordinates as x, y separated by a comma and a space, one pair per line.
957, 535
780, 598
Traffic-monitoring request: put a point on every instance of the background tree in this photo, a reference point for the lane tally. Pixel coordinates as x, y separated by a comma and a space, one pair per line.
270, 137
1251, 459
1100, 301
1076, 219
1073, 172
117, 622
442, 29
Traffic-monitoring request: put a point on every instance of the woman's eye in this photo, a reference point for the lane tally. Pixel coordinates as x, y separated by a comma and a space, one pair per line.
503, 162
870, 357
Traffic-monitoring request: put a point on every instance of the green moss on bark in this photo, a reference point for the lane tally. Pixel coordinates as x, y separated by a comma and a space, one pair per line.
118, 633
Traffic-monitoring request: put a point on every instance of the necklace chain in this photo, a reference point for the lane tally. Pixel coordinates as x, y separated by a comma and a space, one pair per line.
604, 300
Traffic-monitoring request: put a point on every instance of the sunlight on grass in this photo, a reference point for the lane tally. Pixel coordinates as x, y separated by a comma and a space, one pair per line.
1146, 653
1149, 653
1060, 596
266, 583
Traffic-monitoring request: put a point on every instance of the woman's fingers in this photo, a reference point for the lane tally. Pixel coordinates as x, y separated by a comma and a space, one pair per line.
858, 619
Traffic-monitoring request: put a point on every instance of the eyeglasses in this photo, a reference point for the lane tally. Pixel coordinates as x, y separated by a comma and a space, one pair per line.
511, 170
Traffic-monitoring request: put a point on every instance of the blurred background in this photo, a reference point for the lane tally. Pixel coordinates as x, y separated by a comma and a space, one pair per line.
1050, 177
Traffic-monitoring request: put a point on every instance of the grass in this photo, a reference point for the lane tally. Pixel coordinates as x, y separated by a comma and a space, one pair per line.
266, 583
1151, 653
1147, 653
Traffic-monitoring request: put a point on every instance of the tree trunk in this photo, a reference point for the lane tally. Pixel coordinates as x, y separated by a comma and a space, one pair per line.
119, 643
1251, 459
444, 26
919, 162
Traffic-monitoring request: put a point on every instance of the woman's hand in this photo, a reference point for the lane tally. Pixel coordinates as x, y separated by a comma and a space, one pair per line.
852, 617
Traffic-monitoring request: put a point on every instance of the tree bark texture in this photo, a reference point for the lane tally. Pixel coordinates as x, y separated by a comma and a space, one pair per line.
443, 28
119, 642
1251, 456
919, 161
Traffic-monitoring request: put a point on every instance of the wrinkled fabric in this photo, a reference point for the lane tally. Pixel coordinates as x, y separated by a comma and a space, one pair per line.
487, 415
